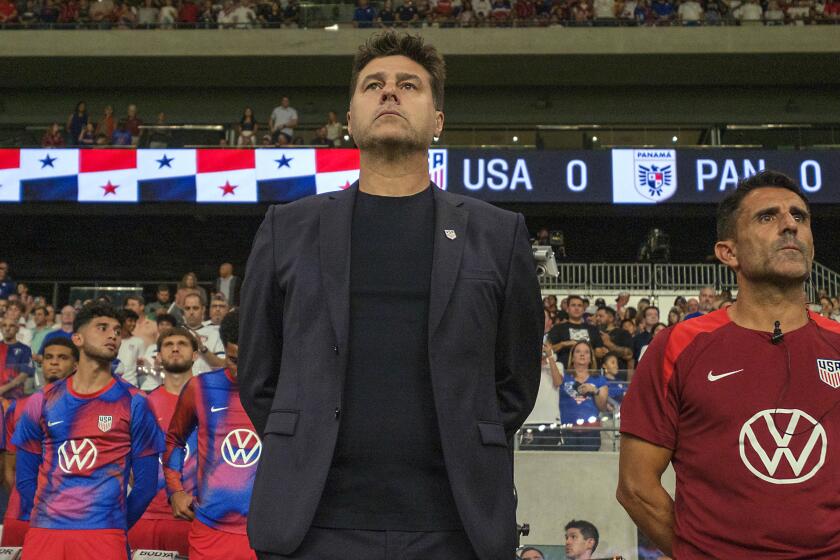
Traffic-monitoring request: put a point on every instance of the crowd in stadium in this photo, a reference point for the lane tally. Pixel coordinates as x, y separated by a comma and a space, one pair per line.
83, 129
247, 14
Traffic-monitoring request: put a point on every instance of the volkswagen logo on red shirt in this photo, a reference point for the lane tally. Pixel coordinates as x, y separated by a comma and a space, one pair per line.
75, 457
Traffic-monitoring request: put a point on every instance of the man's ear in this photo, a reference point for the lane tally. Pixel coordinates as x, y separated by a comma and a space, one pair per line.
77, 339
727, 253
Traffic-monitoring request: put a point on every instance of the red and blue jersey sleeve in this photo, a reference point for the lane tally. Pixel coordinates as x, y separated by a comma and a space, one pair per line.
183, 424
146, 436
650, 409
29, 430
9, 425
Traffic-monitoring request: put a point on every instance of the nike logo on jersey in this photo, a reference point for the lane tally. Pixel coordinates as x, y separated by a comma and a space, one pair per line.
219, 409
56, 423
713, 377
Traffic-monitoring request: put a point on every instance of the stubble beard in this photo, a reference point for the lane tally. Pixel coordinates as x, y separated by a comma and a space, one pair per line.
176, 367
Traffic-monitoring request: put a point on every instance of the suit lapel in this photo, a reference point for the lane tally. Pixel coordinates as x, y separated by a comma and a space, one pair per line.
450, 236
334, 250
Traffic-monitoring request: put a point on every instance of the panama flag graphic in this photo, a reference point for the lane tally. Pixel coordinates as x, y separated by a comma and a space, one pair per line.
108, 175
9, 175
225, 176
166, 175
336, 170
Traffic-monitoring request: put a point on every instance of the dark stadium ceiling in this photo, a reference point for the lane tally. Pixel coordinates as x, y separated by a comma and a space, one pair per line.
474, 70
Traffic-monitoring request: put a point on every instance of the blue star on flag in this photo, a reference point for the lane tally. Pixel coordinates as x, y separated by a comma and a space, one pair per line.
284, 162
47, 161
164, 162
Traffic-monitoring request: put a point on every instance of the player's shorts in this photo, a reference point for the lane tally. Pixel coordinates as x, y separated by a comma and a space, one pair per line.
207, 543
160, 534
14, 530
66, 544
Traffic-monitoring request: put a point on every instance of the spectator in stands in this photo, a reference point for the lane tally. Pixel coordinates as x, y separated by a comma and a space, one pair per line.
84, 12
617, 341
16, 310
228, 284
8, 12
211, 352
500, 13
466, 17
144, 327
800, 12
774, 15
147, 14
18, 360
641, 340
320, 138
69, 12
364, 15
690, 12
617, 379
188, 13
102, 13
442, 12
663, 11
407, 14
291, 14
674, 316
604, 10
167, 17
831, 10
219, 308
247, 128
132, 121
531, 553
714, 10
682, 304
386, 17
49, 12
749, 12
76, 122
547, 407
582, 398
122, 135
621, 302
207, 18
29, 15
53, 137
88, 135
705, 304
189, 284
565, 335
161, 303
131, 348
283, 120
581, 11
581, 540
124, 15
243, 16
335, 129
525, 12
39, 331
106, 124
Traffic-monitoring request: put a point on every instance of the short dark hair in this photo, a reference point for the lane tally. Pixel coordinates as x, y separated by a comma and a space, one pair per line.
162, 288
166, 317
177, 331
93, 310
587, 529
136, 297
573, 296
229, 329
40, 308
61, 341
128, 314
651, 307
612, 355
727, 210
531, 549
608, 309
391, 43
197, 294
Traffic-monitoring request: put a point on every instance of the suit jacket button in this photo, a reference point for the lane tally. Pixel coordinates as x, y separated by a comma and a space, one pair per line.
335, 349
337, 413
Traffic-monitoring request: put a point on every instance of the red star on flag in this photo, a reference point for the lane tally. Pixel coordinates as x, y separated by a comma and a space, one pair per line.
109, 189
346, 186
227, 188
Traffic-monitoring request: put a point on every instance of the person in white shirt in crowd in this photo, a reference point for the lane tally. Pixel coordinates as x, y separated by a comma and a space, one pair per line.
749, 12
218, 309
144, 328
774, 14
16, 310
603, 9
150, 374
131, 348
690, 12
168, 15
211, 351
546, 411
800, 11
243, 15
283, 120
335, 130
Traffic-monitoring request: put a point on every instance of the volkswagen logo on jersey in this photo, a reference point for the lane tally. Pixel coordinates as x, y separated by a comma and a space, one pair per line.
783, 446
241, 448
829, 371
105, 423
74, 457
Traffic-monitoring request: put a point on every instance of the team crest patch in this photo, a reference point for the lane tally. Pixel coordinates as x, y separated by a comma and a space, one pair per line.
829, 371
105, 423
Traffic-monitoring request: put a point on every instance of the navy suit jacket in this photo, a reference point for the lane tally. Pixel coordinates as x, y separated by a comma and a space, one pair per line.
485, 336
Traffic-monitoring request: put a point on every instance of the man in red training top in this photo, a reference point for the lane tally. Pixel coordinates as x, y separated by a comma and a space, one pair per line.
158, 529
59, 361
743, 402
228, 452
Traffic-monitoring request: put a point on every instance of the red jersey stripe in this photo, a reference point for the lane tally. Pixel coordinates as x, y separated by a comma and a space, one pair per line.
823, 323
683, 334
9, 158
106, 160
210, 161
329, 160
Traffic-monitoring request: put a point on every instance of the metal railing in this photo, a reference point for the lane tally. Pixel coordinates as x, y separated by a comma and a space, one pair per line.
668, 277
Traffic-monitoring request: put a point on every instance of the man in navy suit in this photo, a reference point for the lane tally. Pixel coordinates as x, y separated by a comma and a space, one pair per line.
390, 346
